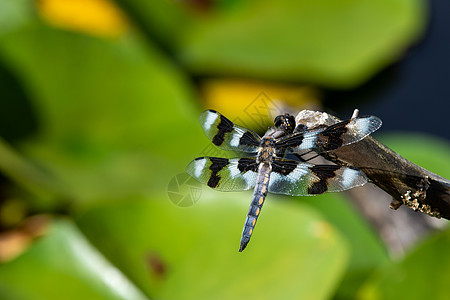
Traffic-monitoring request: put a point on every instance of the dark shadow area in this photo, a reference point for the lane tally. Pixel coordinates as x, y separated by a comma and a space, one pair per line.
17, 118
413, 94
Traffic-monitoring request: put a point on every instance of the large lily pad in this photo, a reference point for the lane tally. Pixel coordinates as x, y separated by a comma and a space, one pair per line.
366, 249
111, 112
330, 43
192, 253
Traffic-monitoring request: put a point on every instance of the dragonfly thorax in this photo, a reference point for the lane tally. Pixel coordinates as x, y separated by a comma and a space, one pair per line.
266, 151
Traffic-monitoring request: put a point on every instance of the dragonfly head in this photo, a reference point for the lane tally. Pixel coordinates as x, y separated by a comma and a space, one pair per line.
285, 122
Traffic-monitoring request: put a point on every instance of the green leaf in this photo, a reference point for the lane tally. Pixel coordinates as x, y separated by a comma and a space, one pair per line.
165, 21
63, 265
45, 191
14, 14
331, 43
423, 274
111, 112
192, 253
366, 250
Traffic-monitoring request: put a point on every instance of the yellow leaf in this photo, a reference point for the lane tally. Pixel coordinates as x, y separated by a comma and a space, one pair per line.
96, 17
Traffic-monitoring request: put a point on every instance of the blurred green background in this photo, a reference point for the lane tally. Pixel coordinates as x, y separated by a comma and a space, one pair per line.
99, 118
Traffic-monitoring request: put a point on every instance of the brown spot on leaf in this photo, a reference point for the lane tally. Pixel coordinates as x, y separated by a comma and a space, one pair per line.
156, 265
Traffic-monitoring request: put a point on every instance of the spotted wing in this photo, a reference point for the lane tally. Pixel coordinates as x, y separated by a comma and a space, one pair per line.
226, 135
330, 138
296, 178
224, 174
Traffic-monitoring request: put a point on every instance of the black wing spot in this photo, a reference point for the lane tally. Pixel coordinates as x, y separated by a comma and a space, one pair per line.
217, 164
248, 139
324, 172
247, 164
224, 127
331, 137
284, 167
290, 142
317, 188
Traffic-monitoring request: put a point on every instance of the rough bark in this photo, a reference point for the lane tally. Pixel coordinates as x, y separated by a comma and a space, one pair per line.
407, 183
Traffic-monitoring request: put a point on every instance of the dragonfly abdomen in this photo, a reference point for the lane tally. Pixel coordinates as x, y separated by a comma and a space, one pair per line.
259, 195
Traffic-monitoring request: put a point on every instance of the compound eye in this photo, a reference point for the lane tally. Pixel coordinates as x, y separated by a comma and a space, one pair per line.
290, 123
279, 120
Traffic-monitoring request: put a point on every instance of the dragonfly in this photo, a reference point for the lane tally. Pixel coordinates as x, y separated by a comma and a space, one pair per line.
275, 163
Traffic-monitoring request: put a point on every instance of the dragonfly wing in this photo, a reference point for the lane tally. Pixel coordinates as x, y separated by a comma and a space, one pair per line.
330, 138
223, 174
295, 178
226, 135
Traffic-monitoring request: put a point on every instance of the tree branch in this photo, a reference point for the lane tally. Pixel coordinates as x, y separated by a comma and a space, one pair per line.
407, 183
